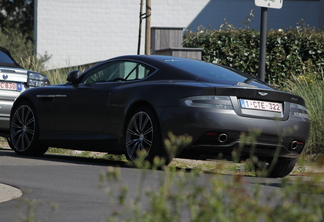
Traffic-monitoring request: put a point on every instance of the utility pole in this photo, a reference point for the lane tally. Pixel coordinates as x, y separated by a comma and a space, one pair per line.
263, 42
148, 28
265, 4
140, 28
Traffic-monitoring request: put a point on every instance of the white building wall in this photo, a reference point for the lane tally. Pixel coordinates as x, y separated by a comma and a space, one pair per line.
77, 32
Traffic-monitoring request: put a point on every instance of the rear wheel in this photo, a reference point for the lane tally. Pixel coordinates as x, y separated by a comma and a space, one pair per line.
24, 131
142, 133
282, 168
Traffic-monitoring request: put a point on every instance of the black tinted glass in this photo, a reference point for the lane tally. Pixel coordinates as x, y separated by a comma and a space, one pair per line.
4, 58
215, 73
117, 71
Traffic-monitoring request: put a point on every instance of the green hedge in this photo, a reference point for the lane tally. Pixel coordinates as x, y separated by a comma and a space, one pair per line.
289, 52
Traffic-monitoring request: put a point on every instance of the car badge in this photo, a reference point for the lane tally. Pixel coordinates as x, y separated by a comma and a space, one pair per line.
263, 93
5, 76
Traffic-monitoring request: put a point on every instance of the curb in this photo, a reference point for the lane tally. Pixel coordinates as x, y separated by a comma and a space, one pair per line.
9, 193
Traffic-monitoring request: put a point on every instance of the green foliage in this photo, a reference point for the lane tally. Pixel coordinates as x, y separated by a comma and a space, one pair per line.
18, 15
16, 43
175, 143
22, 50
288, 51
183, 196
58, 76
311, 88
16, 33
30, 210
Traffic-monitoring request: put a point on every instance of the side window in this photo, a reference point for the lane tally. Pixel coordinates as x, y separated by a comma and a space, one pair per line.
117, 71
103, 73
138, 71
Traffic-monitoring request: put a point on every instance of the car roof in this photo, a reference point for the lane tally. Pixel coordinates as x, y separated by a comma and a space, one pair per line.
192, 70
202, 71
161, 58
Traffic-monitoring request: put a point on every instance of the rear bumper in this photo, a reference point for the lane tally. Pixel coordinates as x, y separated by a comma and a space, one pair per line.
263, 151
264, 138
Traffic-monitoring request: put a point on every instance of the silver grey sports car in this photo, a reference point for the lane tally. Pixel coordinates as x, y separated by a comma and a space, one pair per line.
131, 103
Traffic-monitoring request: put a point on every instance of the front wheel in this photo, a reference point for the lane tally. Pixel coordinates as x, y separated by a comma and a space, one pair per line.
24, 131
142, 134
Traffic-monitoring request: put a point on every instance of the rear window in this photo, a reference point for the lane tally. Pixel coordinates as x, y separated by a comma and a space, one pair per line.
4, 58
216, 73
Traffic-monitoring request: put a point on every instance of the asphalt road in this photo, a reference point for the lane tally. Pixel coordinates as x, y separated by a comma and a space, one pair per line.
65, 188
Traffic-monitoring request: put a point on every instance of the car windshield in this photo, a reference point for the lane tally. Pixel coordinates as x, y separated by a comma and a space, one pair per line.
217, 73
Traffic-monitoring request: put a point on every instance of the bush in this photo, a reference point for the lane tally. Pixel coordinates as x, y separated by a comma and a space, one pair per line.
22, 50
288, 51
183, 196
310, 87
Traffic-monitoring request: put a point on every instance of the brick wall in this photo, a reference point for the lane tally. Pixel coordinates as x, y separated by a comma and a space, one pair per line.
77, 32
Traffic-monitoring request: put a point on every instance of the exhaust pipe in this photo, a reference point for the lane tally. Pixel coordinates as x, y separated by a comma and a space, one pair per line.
222, 137
294, 145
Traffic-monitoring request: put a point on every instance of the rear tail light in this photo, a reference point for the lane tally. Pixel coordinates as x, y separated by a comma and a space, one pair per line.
217, 102
298, 111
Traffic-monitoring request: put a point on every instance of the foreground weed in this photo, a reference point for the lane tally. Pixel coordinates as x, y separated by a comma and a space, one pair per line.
30, 208
183, 196
194, 196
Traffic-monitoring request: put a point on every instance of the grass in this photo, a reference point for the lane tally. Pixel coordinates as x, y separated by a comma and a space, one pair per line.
307, 164
311, 87
87, 154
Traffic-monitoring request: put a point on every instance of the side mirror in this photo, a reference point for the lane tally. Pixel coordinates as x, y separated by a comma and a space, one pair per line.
73, 76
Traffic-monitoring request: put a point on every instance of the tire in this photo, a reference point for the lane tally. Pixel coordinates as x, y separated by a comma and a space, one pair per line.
282, 168
24, 131
9, 142
142, 132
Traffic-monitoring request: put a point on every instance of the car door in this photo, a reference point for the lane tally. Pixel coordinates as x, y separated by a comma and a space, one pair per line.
83, 108
90, 106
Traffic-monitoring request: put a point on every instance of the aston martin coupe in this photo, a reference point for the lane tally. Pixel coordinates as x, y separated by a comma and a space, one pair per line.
131, 103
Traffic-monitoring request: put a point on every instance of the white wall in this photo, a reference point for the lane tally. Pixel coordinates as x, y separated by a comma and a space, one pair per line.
77, 32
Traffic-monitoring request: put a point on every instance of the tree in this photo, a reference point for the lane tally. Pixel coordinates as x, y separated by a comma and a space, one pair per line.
18, 15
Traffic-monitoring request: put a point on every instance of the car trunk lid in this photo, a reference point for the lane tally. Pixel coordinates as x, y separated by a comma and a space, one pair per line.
13, 75
256, 102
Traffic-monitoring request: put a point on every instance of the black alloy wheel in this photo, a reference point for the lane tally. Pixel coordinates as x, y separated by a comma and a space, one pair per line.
24, 131
142, 133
